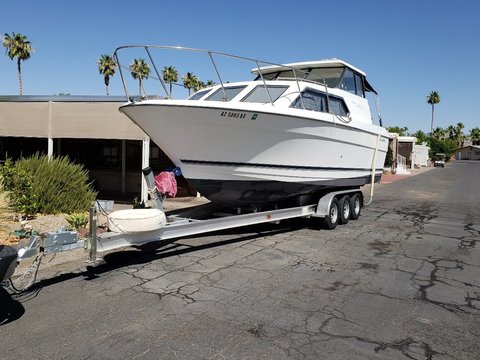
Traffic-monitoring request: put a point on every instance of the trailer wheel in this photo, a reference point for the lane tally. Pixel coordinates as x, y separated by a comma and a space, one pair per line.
331, 220
345, 209
355, 206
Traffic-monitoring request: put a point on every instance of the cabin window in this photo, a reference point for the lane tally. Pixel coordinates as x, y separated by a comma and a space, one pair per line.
312, 100
199, 94
231, 92
317, 101
359, 85
260, 95
337, 106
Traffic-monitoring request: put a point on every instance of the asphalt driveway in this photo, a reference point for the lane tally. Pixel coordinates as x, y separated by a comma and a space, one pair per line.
402, 282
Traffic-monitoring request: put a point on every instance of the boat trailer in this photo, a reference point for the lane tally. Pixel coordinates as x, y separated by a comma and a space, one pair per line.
334, 208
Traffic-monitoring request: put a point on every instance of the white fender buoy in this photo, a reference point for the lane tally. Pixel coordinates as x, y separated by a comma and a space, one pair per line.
136, 220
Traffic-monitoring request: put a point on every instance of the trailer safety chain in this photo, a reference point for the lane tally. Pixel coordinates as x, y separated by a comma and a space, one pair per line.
32, 269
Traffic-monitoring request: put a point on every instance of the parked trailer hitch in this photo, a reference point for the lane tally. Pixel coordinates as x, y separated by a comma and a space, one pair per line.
39, 246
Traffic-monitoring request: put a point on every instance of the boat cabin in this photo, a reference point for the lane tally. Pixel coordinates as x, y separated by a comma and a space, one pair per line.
323, 86
333, 73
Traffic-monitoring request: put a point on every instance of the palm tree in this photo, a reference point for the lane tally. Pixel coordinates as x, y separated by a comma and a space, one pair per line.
438, 133
17, 47
190, 81
451, 132
475, 136
209, 83
432, 99
401, 131
199, 85
170, 76
459, 135
421, 137
140, 70
106, 66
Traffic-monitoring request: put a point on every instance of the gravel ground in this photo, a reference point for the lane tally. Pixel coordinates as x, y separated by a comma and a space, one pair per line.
9, 221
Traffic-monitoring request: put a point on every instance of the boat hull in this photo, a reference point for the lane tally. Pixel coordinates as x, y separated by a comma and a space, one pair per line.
250, 156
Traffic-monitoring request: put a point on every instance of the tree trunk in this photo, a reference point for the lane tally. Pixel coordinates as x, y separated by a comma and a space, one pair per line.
19, 75
107, 82
431, 126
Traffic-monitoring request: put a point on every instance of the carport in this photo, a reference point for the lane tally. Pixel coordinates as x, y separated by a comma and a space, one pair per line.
89, 129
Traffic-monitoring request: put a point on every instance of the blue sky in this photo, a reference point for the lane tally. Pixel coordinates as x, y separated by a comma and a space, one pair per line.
407, 48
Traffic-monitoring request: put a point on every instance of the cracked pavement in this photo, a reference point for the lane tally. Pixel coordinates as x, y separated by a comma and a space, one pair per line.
402, 282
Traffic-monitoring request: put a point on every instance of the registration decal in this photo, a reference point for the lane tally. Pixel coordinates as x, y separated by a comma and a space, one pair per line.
233, 114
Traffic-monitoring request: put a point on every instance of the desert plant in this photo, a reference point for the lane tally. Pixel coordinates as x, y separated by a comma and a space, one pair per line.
77, 220
59, 185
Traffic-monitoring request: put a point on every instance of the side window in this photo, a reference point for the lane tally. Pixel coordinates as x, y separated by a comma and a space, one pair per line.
260, 95
337, 106
359, 85
231, 92
312, 100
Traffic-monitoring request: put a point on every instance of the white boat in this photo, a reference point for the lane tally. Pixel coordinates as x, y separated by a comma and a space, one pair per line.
296, 129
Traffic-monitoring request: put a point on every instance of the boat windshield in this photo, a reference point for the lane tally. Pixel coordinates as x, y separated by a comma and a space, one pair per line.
229, 92
199, 94
331, 75
260, 94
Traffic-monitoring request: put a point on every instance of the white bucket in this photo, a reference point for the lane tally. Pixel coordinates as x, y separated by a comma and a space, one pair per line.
136, 220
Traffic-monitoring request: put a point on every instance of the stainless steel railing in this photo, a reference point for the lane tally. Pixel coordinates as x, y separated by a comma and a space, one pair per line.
257, 64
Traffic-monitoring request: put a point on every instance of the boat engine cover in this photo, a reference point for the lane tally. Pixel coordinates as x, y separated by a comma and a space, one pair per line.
8, 261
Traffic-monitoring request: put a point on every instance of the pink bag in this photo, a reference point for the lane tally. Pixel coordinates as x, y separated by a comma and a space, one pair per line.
166, 183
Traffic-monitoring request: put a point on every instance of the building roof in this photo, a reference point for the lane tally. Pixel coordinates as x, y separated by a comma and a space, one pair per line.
470, 146
80, 117
62, 98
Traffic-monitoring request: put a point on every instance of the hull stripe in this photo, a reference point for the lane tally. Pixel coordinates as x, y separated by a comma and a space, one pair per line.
272, 166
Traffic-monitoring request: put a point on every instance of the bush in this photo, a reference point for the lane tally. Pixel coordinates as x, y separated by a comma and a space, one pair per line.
388, 158
19, 183
7, 173
445, 146
56, 185
77, 220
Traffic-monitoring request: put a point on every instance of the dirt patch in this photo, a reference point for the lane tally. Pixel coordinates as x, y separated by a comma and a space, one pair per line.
9, 222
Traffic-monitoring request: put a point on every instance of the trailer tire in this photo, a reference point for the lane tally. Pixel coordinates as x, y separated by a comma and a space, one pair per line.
345, 209
355, 206
331, 220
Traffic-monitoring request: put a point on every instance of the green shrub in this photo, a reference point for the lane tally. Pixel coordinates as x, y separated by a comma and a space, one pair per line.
388, 158
58, 185
136, 204
77, 220
7, 173
22, 196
